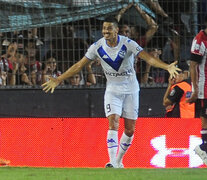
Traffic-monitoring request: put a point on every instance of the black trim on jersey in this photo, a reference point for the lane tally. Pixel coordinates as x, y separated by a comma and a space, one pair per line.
195, 57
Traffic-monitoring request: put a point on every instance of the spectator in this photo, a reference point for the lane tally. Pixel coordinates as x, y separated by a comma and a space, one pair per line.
122, 11
32, 65
125, 30
9, 64
4, 68
32, 34
98, 72
91, 79
143, 40
154, 5
156, 75
74, 80
135, 34
3, 78
176, 95
50, 68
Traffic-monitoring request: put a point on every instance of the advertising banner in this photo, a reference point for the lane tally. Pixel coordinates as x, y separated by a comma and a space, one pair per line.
81, 142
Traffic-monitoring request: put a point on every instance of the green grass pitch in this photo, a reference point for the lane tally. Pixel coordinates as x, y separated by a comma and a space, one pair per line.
27, 173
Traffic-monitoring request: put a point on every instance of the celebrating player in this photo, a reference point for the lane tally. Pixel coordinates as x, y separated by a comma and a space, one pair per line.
198, 71
122, 90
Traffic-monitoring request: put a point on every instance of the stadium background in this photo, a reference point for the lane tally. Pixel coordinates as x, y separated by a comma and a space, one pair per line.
27, 114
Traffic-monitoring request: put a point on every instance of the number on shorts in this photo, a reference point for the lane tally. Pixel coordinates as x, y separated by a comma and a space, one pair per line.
108, 108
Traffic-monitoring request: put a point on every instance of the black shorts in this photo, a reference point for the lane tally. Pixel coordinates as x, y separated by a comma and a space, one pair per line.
201, 108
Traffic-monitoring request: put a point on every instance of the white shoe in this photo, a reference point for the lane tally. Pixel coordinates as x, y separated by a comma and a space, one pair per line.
120, 165
202, 154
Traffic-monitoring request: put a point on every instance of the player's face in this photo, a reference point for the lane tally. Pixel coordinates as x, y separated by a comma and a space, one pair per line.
109, 31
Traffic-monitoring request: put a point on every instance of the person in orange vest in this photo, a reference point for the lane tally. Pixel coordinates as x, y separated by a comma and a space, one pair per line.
178, 91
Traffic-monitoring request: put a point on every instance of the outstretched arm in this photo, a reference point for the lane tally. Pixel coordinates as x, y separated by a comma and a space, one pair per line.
54, 82
156, 62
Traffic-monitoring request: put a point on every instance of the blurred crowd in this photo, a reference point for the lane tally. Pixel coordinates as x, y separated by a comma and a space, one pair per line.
30, 57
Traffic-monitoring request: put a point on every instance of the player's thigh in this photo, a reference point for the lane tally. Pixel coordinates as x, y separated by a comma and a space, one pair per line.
113, 103
131, 106
203, 114
201, 108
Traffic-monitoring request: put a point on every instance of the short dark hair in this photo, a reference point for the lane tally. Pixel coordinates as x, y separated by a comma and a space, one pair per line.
183, 66
111, 19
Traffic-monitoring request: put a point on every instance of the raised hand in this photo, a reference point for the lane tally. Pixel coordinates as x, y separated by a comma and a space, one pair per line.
173, 70
50, 85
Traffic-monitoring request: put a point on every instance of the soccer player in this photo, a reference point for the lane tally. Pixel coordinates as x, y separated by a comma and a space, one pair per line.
198, 71
122, 89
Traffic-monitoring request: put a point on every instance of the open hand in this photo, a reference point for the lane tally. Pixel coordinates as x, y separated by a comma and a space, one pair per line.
173, 70
50, 85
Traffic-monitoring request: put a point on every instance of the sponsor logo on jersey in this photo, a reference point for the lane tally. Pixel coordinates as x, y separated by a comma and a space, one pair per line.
126, 73
122, 53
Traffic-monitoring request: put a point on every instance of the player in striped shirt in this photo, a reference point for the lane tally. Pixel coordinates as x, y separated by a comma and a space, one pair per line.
198, 71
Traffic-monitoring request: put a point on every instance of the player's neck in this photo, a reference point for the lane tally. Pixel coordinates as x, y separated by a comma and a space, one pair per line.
112, 42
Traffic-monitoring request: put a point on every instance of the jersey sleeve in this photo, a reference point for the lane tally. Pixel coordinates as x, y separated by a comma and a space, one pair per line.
91, 52
175, 94
134, 47
197, 49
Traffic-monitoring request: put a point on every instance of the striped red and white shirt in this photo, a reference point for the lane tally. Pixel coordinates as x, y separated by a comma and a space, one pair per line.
199, 54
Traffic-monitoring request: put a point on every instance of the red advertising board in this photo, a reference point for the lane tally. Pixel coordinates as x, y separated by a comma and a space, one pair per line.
81, 142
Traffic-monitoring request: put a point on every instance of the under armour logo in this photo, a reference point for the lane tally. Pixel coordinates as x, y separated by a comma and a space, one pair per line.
159, 144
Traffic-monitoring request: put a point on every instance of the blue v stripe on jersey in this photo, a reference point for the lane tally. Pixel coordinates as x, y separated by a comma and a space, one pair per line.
117, 62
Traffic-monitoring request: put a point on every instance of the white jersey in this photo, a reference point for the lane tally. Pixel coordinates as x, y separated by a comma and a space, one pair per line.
117, 63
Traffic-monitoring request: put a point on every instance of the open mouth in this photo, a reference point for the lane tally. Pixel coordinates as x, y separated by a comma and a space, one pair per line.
106, 35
